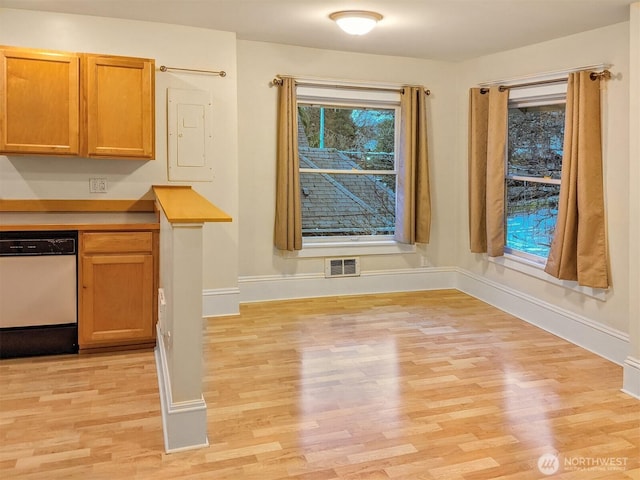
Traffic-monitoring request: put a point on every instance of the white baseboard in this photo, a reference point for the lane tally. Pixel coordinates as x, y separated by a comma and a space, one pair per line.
276, 287
605, 341
220, 302
631, 376
184, 423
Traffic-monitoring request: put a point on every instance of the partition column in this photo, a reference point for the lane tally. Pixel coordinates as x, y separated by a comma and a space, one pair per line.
180, 325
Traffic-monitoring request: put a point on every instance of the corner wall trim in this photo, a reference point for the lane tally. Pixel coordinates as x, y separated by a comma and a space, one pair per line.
600, 339
631, 377
184, 423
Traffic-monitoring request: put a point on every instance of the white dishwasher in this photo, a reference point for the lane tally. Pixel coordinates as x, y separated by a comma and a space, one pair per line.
38, 293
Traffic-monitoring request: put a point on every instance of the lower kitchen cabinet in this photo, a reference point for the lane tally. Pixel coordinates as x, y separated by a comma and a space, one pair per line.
117, 285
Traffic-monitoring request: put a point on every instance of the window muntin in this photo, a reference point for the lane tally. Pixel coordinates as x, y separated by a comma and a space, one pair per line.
347, 169
532, 181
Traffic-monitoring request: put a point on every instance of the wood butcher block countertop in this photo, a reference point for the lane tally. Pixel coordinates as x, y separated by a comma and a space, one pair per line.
20, 215
182, 204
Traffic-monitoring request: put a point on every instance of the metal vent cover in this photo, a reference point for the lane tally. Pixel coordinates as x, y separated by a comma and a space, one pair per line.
342, 267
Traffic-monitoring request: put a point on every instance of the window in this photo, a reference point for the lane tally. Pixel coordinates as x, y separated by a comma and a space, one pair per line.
347, 151
532, 181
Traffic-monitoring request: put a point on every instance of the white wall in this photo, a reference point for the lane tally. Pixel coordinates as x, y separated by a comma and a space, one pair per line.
608, 45
258, 63
172, 45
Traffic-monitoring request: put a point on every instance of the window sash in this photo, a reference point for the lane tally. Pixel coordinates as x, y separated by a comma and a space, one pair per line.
531, 97
331, 103
384, 100
536, 259
545, 180
349, 172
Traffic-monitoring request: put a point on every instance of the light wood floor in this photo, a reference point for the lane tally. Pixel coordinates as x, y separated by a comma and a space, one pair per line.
429, 385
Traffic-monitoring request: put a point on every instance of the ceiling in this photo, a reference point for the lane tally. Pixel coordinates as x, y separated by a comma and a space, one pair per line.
451, 30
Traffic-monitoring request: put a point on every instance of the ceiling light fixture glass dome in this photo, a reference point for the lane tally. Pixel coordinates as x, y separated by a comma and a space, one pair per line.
356, 22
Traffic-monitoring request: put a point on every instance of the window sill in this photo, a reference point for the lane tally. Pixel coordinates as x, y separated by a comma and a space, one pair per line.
534, 269
312, 249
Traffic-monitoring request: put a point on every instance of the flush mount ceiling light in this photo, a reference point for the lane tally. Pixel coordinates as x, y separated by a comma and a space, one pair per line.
356, 22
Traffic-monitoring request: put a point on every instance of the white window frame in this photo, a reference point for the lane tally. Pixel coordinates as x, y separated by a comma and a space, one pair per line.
533, 265
383, 97
535, 96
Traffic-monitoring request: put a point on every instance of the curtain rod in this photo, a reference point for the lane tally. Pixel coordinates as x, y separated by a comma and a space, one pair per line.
605, 74
278, 82
221, 73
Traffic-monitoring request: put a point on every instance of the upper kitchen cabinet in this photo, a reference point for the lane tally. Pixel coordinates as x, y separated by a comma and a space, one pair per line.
89, 105
39, 102
118, 106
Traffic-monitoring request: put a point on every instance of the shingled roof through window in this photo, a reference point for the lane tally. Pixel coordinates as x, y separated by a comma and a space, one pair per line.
341, 204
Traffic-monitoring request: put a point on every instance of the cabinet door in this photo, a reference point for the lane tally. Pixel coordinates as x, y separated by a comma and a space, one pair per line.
119, 106
39, 102
116, 300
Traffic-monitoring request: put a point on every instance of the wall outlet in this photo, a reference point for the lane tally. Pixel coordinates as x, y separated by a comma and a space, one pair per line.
97, 185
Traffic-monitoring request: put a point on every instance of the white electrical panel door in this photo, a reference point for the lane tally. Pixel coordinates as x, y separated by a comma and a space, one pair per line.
189, 118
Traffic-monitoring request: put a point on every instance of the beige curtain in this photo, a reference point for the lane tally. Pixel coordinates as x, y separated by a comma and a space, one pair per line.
478, 130
487, 153
579, 249
288, 223
413, 199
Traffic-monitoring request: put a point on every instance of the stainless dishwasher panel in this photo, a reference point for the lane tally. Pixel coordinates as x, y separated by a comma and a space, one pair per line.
37, 290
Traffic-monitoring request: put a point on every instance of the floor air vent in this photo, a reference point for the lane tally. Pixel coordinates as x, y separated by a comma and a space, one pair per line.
341, 267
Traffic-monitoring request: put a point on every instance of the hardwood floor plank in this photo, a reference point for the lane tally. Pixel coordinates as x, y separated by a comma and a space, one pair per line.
409, 386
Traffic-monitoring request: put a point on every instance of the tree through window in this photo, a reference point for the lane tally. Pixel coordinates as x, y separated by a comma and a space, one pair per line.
347, 169
534, 163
